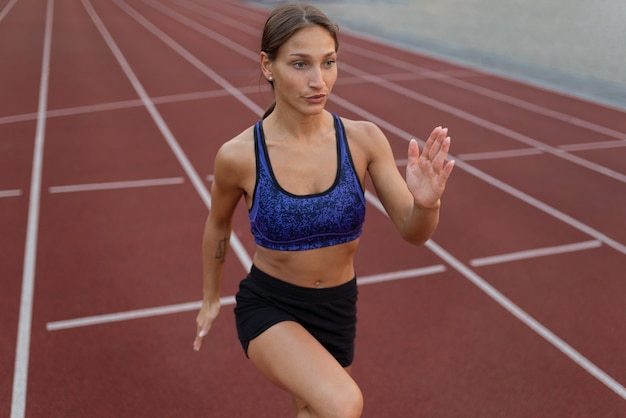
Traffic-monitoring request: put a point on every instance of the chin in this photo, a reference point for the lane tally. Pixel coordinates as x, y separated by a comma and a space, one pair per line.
314, 109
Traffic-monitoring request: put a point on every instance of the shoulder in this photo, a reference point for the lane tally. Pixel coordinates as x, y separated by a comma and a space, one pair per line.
235, 158
361, 129
365, 137
236, 150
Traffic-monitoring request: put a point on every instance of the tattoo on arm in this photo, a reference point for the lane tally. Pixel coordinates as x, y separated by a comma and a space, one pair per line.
220, 253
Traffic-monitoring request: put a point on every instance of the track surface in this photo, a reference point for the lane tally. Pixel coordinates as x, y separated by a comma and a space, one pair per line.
110, 115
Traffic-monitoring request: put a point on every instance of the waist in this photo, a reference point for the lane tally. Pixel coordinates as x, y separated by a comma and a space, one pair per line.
323, 267
291, 290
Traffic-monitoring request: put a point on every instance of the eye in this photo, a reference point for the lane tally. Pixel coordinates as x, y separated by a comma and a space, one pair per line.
299, 64
329, 63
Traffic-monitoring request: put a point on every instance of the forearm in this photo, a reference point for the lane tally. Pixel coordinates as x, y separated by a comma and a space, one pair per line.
420, 223
214, 249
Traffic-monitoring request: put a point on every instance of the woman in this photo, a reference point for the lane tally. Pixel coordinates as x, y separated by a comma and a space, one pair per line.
302, 172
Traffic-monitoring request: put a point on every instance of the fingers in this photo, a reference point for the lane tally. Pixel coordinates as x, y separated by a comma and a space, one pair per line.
439, 159
414, 152
197, 343
204, 320
435, 150
435, 142
447, 170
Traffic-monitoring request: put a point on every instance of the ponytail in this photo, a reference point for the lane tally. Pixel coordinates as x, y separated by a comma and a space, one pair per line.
269, 110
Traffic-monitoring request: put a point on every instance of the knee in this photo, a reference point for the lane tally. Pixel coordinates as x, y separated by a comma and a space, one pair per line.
346, 403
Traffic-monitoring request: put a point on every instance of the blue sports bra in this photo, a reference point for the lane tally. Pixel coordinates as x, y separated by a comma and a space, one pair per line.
282, 221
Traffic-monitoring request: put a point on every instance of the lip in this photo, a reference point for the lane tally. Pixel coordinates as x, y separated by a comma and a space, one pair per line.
316, 98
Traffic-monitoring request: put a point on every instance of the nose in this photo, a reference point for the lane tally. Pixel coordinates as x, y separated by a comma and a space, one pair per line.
317, 79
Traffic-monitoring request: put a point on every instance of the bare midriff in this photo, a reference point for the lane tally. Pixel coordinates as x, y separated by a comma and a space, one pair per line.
319, 268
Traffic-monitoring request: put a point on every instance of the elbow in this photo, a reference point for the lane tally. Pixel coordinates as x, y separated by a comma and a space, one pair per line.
417, 240
421, 241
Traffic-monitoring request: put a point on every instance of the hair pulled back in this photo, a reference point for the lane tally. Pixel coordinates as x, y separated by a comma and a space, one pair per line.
283, 22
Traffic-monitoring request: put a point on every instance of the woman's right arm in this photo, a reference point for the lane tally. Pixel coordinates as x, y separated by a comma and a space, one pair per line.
226, 191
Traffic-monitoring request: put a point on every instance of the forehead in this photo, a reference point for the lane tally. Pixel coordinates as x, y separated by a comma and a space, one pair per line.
311, 40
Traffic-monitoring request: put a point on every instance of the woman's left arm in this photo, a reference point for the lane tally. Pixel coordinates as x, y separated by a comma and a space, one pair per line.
412, 203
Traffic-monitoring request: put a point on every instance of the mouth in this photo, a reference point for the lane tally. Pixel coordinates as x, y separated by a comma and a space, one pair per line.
316, 98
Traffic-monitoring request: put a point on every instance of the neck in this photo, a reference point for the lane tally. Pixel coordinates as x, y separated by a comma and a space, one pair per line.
297, 126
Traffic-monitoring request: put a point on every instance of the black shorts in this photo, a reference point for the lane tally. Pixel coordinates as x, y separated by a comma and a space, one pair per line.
329, 314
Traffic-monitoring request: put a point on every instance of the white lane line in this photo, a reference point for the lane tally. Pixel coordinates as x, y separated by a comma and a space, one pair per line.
22, 350
128, 315
399, 275
544, 111
10, 193
528, 320
6, 9
497, 183
197, 182
598, 373
538, 252
494, 127
192, 59
116, 185
593, 145
486, 92
491, 155
460, 164
126, 104
518, 312
227, 300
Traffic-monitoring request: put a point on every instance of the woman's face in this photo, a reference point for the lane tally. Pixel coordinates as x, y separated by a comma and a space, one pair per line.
304, 70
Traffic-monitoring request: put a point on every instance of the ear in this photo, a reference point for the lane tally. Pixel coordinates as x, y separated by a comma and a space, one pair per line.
266, 65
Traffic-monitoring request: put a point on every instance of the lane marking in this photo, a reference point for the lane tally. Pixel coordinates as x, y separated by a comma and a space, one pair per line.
127, 104
401, 275
492, 155
129, 315
516, 311
227, 300
383, 124
535, 253
22, 350
492, 94
192, 59
593, 145
10, 193
176, 149
6, 9
478, 121
531, 322
492, 292
498, 184
116, 185
445, 78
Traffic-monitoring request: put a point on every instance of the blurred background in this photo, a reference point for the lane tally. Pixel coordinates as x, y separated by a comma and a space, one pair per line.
574, 46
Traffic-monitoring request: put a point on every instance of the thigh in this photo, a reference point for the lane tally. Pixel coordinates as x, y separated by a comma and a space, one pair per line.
290, 357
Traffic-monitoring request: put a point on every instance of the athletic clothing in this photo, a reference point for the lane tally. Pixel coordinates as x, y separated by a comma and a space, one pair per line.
329, 314
282, 221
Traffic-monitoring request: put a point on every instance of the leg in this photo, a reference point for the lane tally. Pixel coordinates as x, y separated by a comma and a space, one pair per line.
299, 404
295, 361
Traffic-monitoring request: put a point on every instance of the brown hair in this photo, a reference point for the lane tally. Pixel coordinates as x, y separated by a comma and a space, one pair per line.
284, 22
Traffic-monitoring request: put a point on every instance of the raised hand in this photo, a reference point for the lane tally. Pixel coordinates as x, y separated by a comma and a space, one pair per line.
427, 172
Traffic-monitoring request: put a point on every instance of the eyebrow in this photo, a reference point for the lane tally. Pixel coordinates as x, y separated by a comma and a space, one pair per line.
303, 55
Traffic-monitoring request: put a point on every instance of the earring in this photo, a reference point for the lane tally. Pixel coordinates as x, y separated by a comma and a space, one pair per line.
271, 79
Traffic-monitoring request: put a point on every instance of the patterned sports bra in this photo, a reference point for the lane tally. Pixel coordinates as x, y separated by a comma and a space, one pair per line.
282, 221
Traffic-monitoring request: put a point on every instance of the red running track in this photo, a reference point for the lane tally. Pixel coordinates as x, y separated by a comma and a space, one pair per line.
110, 114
